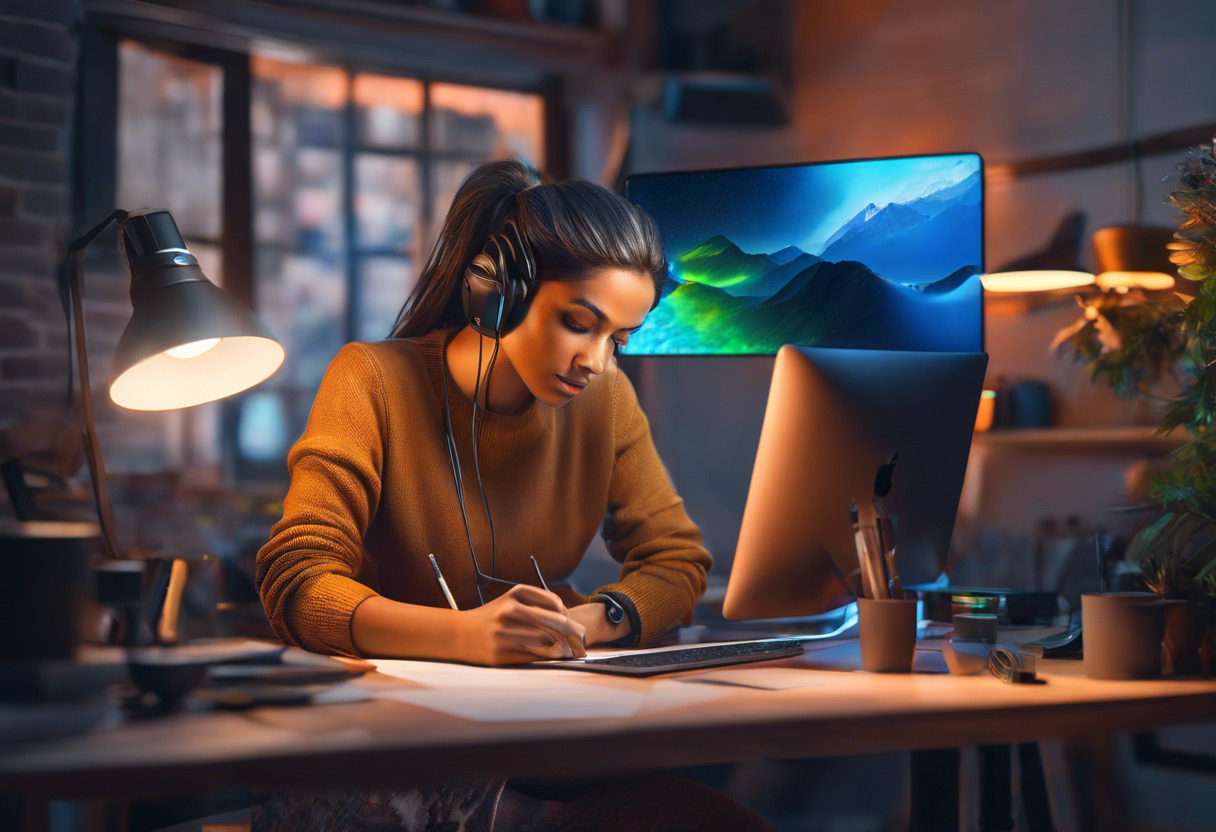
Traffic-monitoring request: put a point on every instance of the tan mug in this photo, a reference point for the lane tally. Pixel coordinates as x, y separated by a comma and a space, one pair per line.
1122, 633
888, 634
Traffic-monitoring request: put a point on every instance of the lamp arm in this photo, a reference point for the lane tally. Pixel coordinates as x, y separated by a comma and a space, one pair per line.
72, 292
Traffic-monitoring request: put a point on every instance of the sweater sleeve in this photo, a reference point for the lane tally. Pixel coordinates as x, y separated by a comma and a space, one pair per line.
306, 570
647, 530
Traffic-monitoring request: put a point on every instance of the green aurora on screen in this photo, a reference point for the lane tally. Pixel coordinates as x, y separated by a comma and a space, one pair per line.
901, 274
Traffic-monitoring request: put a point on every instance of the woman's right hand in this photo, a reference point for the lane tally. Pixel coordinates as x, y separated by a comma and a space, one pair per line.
522, 625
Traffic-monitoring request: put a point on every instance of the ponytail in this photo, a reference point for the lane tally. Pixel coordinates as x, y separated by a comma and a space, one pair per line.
572, 228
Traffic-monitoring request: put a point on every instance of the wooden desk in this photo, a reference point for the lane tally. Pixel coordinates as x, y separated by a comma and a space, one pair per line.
389, 742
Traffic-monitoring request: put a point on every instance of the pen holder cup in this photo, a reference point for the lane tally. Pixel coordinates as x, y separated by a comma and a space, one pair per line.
1123, 634
888, 634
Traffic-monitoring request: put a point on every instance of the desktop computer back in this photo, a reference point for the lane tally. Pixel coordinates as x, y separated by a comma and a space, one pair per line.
833, 417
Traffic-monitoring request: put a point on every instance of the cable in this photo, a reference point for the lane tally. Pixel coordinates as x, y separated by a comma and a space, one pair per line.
1006, 665
454, 458
476, 465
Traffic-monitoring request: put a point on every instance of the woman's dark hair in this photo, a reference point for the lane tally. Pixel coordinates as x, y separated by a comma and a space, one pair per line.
572, 228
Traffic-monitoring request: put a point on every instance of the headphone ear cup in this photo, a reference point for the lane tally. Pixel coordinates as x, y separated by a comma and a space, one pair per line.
481, 295
519, 275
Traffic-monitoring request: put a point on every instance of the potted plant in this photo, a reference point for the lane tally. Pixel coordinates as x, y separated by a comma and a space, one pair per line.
1132, 341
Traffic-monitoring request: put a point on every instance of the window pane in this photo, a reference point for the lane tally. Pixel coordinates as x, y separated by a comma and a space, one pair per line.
262, 427
489, 124
297, 168
169, 130
302, 300
384, 283
315, 205
446, 177
388, 199
297, 104
298, 115
389, 111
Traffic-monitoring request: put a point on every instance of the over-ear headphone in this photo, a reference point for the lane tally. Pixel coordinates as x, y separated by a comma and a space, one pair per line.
498, 284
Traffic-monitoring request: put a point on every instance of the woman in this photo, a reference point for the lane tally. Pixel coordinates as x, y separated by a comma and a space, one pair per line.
495, 432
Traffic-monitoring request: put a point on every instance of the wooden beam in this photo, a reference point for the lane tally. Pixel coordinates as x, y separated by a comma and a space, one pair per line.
1169, 142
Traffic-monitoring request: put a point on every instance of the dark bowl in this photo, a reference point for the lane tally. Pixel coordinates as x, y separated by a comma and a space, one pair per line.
170, 677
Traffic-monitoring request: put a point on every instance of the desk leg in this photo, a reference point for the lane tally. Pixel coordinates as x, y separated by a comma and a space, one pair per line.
1034, 788
996, 788
935, 790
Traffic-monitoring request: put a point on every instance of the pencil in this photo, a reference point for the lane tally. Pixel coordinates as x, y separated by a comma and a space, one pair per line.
447, 593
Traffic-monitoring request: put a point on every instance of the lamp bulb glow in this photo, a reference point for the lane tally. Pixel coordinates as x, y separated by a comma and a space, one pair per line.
193, 349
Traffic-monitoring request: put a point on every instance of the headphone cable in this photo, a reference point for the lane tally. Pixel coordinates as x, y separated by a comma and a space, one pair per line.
454, 458
477, 467
476, 464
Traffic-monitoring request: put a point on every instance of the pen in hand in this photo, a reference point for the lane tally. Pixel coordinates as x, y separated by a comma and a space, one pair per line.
447, 593
539, 576
545, 587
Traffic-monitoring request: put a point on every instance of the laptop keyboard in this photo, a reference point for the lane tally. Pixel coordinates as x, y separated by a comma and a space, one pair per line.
704, 656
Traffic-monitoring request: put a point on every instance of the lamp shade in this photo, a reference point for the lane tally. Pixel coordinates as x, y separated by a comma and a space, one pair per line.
188, 341
1134, 256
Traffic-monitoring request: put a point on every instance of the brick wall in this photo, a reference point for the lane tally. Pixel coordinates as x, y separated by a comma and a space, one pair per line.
37, 83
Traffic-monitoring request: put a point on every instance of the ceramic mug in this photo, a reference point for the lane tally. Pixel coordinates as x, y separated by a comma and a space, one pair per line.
1122, 633
888, 634
46, 567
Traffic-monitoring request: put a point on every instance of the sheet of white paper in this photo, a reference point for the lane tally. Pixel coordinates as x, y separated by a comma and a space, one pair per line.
341, 695
449, 675
490, 694
515, 705
765, 678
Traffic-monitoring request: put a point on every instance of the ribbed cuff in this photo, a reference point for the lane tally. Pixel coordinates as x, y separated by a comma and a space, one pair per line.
322, 612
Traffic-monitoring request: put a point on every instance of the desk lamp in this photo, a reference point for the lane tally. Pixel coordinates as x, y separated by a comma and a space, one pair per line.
187, 343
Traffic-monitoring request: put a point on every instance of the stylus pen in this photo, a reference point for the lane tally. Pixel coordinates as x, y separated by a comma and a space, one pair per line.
447, 593
545, 586
539, 576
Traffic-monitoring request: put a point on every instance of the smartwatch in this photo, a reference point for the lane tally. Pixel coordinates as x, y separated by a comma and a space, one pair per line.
612, 608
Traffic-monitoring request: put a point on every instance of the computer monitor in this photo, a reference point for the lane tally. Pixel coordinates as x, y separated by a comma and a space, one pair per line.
862, 254
833, 417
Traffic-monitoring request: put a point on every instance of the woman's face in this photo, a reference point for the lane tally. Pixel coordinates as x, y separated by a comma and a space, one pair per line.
571, 329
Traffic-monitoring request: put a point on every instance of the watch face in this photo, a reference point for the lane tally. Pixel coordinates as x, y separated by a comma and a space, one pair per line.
616, 613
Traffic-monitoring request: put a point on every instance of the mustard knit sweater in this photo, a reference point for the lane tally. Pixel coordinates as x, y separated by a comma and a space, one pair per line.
372, 494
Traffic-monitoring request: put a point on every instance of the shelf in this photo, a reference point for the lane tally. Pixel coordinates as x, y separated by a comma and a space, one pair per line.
1096, 439
379, 34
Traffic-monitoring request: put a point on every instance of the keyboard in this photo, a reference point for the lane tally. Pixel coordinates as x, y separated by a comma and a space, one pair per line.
650, 662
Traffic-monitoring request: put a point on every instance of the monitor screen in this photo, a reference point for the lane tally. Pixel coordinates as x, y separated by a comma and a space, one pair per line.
867, 254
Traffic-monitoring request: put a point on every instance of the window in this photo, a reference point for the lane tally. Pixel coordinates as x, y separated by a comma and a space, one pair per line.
352, 172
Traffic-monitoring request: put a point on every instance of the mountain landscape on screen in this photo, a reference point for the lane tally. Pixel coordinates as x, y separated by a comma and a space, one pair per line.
822, 267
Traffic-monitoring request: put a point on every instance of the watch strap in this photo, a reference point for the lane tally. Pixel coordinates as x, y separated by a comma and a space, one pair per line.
631, 615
